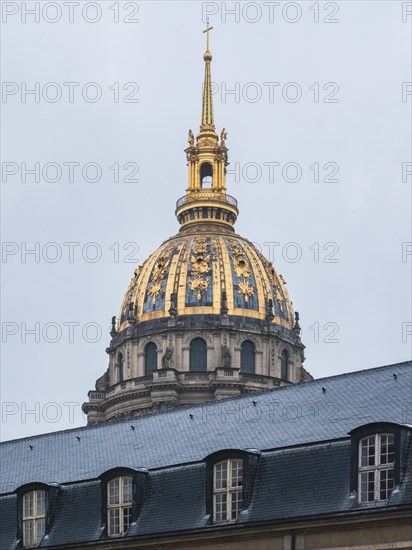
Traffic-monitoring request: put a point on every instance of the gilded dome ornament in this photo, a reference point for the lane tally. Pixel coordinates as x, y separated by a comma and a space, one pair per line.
154, 290
199, 284
200, 265
158, 274
246, 290
241, 268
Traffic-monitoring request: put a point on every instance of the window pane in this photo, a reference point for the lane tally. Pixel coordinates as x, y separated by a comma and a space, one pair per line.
114, 521
237, 472
28, 532
28, 504
40, 528
127, 490
220, 507
236, 504
368, 451
113, 494
127, 518
367, 486
221, 475
40, 503
387, 449
386, 483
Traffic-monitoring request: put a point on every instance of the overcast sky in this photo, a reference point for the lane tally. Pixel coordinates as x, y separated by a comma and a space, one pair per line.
314, 100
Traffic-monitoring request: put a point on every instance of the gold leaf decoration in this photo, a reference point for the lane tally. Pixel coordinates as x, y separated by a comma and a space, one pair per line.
200, 264
246, 290
200, 247
158, 273
276, 286
242, 270
199, 284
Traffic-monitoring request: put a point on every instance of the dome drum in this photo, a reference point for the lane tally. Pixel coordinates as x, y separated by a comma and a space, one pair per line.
181, 377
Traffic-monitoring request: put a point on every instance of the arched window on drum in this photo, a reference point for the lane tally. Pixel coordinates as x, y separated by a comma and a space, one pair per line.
150, 359
198, 355
120, 367
284, 365
247, 357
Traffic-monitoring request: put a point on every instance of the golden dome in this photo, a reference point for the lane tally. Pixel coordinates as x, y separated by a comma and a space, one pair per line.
207, 269
207, 272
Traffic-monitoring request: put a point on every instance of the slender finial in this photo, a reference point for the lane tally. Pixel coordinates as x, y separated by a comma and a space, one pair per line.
207, 107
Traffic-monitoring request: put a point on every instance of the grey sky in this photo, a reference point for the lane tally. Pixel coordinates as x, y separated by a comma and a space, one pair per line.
365, 58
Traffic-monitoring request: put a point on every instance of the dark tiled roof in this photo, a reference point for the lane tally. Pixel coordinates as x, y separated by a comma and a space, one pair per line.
173, 500
303, 471
303, 482
284, 417
77, 515
8, 521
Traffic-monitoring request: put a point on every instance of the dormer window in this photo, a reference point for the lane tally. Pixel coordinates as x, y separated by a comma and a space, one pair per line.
119, 505
121, 494
230, 475
376, 467
227, 489
34, 517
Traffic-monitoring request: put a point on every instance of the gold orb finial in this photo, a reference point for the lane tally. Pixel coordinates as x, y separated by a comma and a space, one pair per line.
207, 56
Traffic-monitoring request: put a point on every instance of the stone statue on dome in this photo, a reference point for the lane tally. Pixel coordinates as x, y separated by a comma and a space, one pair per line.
223, 137
191, 139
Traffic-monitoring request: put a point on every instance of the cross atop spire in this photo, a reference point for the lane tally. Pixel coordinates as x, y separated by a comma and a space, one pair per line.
207, 30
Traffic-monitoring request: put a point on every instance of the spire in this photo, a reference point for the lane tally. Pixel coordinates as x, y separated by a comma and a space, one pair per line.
206, 201
207, 107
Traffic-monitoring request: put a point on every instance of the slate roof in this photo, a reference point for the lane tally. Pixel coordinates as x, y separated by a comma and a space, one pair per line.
283, 417
303, 471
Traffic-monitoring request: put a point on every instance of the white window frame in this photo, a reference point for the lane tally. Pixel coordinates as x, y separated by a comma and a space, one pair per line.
377, 468
123, 508
36, 518
229, 491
